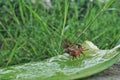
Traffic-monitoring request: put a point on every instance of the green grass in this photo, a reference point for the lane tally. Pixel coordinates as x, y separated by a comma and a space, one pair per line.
30, 32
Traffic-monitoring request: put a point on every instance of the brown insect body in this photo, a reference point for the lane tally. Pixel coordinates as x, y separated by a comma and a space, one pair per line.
74, 52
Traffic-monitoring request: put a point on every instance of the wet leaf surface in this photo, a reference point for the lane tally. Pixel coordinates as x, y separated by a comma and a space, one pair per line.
63, 67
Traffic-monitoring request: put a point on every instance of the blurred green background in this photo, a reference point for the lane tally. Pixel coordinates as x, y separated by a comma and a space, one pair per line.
33, 30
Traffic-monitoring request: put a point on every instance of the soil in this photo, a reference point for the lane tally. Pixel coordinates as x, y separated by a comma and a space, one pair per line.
112, 73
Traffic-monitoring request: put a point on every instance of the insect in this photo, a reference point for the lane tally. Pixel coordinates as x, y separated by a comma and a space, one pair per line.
74, 52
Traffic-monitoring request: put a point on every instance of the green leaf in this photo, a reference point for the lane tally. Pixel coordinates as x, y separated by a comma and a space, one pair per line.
63, 67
